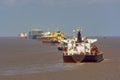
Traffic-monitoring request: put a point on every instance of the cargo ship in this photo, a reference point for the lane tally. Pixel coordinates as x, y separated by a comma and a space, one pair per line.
49, 37
80, 49
35, 34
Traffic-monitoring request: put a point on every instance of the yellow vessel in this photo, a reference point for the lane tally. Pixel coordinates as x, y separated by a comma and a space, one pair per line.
58, 36
54, 37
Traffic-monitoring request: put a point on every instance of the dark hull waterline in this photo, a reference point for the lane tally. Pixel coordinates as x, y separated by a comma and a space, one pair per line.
82, 58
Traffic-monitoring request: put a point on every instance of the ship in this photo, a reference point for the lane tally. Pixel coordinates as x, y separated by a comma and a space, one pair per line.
58, 36
79, 49
35, 34
52, 37
46, 37
23, 35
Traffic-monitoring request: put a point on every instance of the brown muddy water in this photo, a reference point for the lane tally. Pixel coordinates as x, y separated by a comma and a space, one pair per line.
25, 59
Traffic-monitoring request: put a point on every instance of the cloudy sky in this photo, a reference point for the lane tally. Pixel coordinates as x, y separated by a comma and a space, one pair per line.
95, 17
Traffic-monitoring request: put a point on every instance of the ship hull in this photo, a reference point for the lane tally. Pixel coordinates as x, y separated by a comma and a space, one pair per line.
49, 41
60, 48
34, 36
83, 58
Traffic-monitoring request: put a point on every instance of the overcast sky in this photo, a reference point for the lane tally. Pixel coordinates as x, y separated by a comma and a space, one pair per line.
95, 17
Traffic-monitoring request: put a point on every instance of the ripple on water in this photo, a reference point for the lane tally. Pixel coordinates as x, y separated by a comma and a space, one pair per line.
10, 71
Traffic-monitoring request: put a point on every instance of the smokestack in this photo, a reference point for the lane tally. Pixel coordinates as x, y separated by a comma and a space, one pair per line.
79, 38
